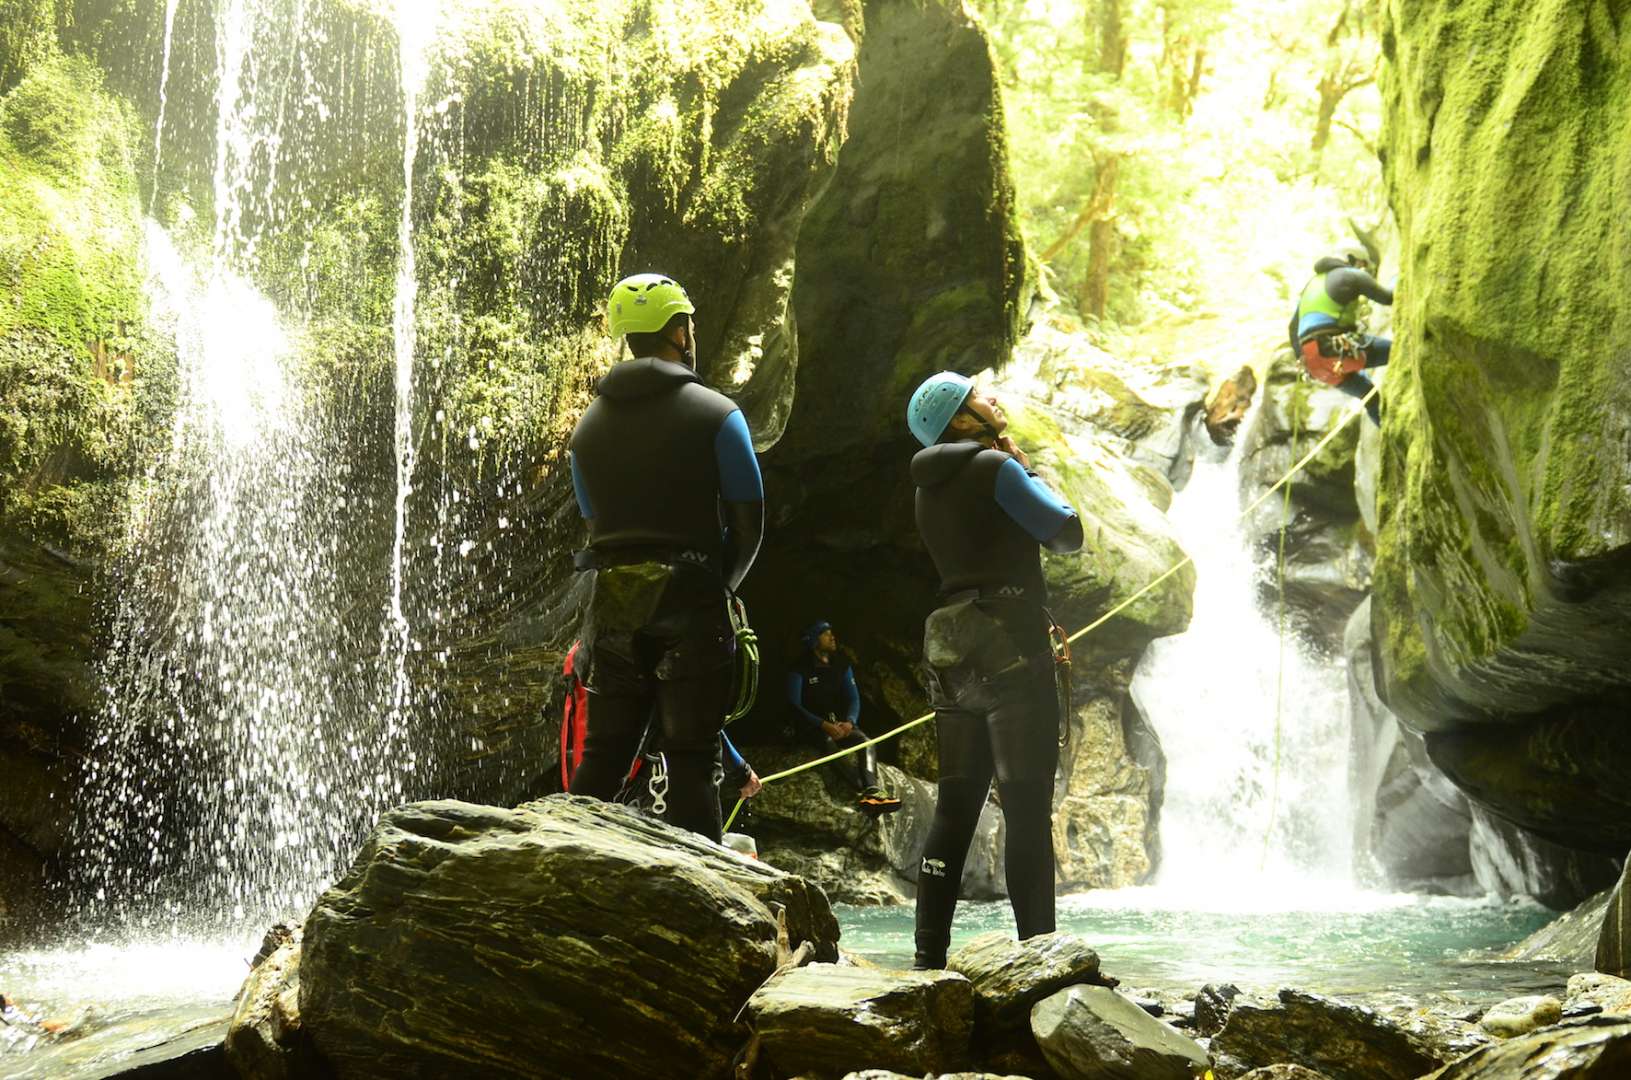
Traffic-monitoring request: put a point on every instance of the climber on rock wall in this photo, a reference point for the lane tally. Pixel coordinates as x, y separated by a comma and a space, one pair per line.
1325, 328
665, 474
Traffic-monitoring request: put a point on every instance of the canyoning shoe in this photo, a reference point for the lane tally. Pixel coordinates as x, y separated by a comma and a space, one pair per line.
875, 801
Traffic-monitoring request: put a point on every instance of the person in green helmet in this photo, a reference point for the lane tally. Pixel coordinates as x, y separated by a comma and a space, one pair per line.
1325, 327
665, 475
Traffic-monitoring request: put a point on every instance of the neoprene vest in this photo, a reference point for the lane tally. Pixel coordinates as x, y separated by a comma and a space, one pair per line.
972, 540
1315, 300
824, 685
645, 451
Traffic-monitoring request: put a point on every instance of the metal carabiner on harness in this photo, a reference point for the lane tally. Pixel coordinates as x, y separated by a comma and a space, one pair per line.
747, 649
1059, 645
658, 785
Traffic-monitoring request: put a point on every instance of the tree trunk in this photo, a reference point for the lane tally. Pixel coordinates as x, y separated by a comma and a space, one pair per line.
1101, 238
1112, 38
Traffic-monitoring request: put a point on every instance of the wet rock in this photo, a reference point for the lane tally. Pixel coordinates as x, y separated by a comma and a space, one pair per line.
1521, 1015
1447, 1035
885, 1074
1212, 1007
1229, 405
1596, 1048
1597, 992
265, 1040
477, 939
1510, 860
1614, 941
1570, 939
181, 1043
1412, 825
1343, 1040
1009, 977
828, 1020
1284, 1072
1104, 823
1094, 1033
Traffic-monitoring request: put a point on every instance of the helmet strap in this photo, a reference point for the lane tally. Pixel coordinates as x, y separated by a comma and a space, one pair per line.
687, 351
985, 426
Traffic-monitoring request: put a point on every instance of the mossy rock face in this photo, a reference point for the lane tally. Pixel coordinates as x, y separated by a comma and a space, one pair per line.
1503, 575
83, 391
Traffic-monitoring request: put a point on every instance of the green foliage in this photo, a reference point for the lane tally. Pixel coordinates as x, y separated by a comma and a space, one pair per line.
80, 380
28, 36
1164, 150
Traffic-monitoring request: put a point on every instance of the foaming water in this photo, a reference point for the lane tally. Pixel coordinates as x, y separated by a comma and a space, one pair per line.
1255, 728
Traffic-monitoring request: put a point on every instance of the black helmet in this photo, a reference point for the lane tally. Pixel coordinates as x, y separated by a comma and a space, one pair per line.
1354, 255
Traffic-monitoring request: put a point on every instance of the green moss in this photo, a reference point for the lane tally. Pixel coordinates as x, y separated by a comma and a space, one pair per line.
79, 376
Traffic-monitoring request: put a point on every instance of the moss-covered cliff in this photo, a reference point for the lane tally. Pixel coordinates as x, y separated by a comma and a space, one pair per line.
1503, 574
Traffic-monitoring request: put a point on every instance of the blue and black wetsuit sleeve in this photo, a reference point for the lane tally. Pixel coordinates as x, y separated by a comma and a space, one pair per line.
1050, 520
739, 477
1347, 283
736, 766
585, 507
795, 697
852, 696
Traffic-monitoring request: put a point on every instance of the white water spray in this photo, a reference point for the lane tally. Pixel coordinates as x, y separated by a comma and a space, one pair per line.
1244, 806
164, 87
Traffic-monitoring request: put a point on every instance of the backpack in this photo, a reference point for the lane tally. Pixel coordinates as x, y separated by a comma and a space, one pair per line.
574, 717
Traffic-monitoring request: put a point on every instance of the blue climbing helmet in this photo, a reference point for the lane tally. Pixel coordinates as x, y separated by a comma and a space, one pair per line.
813, 632
934, 404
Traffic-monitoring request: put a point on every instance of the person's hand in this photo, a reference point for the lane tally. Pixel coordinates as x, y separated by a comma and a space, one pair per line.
1011, 448
832, 729
844, 729
753, 785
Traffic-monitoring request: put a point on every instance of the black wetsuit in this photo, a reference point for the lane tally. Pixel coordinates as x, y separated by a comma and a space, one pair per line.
819, 691
984, 520
656, 460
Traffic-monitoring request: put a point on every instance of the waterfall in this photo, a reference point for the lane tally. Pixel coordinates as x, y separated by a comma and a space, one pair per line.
414, 24
239, 754
164, 86
1245, 805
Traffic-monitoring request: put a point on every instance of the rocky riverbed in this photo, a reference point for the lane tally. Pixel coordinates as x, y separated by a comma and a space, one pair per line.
569, 938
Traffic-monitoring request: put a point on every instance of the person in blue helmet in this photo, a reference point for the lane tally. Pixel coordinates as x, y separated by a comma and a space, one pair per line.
988, 660
665, 475
826, 705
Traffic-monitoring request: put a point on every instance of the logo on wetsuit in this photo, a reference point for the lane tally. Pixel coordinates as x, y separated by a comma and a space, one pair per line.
933, 867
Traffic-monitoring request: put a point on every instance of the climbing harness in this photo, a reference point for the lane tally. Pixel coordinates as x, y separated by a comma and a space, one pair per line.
747, 659
1331, 358
1149, 587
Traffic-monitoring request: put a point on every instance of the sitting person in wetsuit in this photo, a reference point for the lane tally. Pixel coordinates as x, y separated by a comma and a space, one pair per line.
1325, 327
826, 704
988, 660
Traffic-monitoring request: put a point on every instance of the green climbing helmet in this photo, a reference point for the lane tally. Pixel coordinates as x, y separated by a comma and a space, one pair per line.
643, 304
934, 403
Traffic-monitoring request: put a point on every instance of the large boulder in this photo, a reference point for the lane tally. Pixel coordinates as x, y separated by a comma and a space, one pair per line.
1569, 939
1503, 571
1337, 1038
1094, 1033
825, 1020
1598, 1048
1613, 955
514, 943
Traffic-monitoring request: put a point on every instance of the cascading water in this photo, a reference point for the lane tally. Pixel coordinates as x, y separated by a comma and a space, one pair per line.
164, 86
1254, 727
240, 754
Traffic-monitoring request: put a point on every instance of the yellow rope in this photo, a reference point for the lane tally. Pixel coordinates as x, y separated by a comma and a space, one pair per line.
1090, 627
1280, 661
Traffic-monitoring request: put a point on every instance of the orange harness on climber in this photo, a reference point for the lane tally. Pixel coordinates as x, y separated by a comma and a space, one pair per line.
1331, 358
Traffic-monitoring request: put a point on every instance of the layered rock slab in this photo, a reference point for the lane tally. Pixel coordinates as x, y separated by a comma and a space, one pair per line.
563, 938
1094, 1033
1342, 1040
827, 1020
1598, 1048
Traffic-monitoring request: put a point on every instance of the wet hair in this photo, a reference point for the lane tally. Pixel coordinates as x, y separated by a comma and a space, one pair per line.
652, 344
